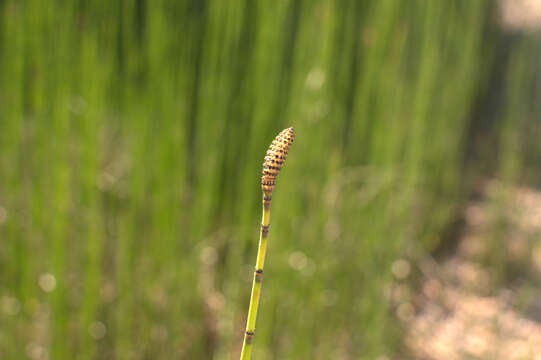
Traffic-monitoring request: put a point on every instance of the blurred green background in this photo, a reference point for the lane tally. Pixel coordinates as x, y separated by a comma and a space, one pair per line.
132, 135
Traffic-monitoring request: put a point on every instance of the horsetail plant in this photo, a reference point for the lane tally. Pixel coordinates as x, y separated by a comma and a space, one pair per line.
275, 158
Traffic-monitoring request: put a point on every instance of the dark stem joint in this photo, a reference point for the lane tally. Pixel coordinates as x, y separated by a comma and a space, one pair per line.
258, 275
249, 337
265, 229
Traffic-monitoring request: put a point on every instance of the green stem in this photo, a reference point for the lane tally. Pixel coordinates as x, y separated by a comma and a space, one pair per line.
256, 285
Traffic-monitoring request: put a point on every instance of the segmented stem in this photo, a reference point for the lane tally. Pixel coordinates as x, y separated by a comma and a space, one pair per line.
256, 285
276, 156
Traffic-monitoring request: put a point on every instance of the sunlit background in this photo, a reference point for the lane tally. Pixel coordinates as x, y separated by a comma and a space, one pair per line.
405, 223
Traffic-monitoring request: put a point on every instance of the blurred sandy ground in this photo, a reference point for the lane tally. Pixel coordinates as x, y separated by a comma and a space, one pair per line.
521, 14
483, 301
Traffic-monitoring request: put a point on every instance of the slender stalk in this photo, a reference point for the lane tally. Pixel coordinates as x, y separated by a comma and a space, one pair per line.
276, 156
256, 284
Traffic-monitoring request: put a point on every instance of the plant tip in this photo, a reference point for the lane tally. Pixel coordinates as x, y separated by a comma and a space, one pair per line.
275, 158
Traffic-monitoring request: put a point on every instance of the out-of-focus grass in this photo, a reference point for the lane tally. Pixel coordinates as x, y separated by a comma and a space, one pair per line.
131, 141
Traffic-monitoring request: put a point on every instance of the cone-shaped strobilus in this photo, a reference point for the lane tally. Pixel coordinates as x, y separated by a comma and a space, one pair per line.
274, 160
